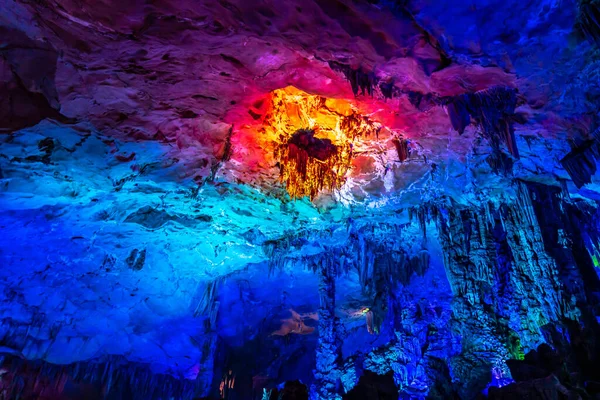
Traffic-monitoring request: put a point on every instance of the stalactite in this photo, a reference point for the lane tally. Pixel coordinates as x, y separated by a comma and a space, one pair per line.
384, 266
459, 114
114, 376
224, 157
358, 78
377, 256
308, 164
277, 251
424, 102
370, 323
580, 163
387, 88
493, 109
227, 385
209, 305
356, 125
424, 214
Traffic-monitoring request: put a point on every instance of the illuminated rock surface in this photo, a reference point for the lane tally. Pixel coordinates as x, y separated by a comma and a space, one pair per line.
326, 198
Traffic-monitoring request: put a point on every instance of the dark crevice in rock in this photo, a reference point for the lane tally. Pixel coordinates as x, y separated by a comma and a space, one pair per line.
580, 163
374, 387
292, 390
153, 218
500, 163
305, 141
232, 60
402, 148
29, 94
224, 157
589, 20
136, 259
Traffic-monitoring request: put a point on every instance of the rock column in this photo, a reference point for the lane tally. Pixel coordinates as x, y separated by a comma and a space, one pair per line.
328, 357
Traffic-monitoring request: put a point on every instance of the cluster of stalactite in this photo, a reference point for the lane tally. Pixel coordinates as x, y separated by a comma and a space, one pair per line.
312, 138
382, 262
406, 356
508, 280
522, 270
569, 231
308, 165
375, 253
114, 377
356, 126
359, 79
424, 102
365, 81
492, 109
227, 384
278, 250
385, 263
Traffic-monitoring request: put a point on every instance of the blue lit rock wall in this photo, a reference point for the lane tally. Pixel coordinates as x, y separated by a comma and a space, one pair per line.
136, 285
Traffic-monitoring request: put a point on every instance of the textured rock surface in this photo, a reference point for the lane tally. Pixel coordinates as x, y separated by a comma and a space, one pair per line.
149, 249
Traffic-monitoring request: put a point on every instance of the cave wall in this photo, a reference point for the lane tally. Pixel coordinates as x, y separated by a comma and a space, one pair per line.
453, 292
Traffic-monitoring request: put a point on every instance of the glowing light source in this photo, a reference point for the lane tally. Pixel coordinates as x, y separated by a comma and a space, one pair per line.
227, 384
313, 140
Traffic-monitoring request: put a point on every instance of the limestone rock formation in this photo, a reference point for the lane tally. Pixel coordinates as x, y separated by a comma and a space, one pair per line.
324, 199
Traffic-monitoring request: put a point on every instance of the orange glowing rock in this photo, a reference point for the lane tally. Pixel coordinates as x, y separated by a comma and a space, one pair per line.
296, 324
313, 140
